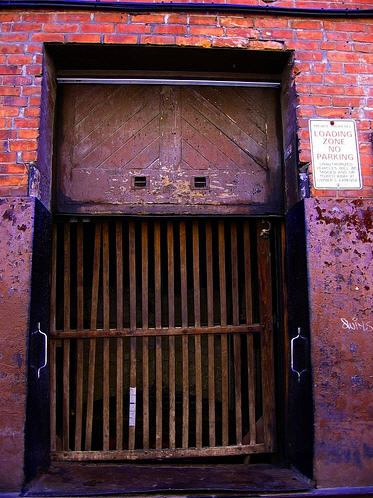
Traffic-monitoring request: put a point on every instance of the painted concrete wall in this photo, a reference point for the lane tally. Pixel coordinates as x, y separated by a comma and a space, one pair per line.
340, 265
16, 233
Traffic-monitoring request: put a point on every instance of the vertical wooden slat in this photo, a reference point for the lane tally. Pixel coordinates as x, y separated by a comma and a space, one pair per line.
196, 271
132, 276
106, 343
79, 346
222, 285
53, 280
265, 302
235, 310
158, 388
52, 395
185, 423
119, 341
209, 273
171, 340
198, 372
157, 275
224, 387
184, 323
171, 275
251, 387
144, 270
66, 395
237, 385
145, 391
248, 295
211, 389
210, 322
183, 276
66, 343
92, 342
171, 381
66, 278
132, 424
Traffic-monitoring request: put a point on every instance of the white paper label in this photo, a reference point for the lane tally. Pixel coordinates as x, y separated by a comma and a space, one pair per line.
335, 154
132, 408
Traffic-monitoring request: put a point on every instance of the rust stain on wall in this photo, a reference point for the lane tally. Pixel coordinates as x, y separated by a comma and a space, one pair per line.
340, 259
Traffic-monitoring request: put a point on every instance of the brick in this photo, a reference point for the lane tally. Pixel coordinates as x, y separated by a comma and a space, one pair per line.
150, 18
8, 157
48, 37
8, 111
11, 49
230, 42
176, 18
61, 28
15, 101
134, 28
12, 168
349, 26
206, 31
26, 26
265, 45
20, 59
111, 17
13, 37
28, 133
246, 22
270, 22
34, 69
203, 20
278, 34
34, 48
23, 145
332, 112
32, 112
306, 111
310, 78
83, 38
17, 80
242, 32
29, 156
327, 45
340, 79
306, 24
31, 90
194, 41
346, 101
97, 28
310, 35
338, 36
10, 90
343, 57
358, 68
157, 40
319, 68
10, 17
130, 39
363, 37
170, 29
302, 45
69, 17
35, 17
315, 100
308, 55
327, 90
13, 191
361, 47
13, 180
26, 123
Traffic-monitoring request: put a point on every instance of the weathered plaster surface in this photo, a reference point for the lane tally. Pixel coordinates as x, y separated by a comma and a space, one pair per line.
16, 229
340, 265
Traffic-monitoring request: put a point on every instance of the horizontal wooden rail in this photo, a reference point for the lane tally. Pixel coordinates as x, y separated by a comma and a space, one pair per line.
86, 334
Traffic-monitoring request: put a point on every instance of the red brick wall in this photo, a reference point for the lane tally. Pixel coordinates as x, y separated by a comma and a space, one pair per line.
332, 71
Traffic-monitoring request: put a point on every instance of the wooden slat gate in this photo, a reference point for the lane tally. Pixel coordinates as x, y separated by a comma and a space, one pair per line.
161, 339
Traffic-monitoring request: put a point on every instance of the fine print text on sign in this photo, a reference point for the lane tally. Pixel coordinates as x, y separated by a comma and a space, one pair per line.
335, 154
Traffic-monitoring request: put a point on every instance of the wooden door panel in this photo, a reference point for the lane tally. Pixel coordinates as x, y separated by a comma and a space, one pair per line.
169, 134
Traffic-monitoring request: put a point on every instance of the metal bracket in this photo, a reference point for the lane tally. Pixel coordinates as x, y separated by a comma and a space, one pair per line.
265, 232
38, 331
299, 337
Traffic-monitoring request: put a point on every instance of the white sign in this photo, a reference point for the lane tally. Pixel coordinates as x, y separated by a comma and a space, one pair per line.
335, 154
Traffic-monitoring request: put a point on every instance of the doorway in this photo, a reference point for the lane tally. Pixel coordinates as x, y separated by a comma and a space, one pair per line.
161, 339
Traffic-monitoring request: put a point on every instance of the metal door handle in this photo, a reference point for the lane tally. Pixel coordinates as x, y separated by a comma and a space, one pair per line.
296, 338
38, 331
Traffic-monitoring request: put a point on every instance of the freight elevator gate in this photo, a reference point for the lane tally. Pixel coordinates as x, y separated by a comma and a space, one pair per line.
161, 338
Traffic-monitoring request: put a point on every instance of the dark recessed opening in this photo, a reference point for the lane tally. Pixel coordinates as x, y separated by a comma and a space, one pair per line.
200, 182
140, 182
